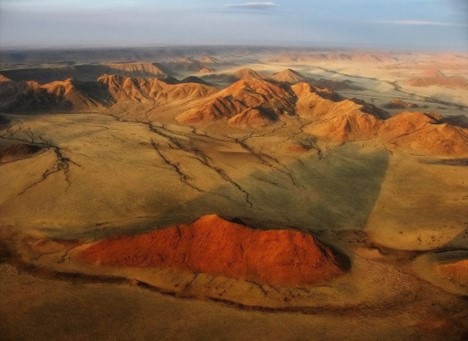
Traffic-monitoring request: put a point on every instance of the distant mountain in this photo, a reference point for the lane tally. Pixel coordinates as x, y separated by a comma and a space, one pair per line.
438, 78
208, 60
289, 76
138, 69
246, 73
354, 57
249, 103
65, 95
70, 95
194, 79
151, 91
188, 64
86, 72
237, 102
345, 120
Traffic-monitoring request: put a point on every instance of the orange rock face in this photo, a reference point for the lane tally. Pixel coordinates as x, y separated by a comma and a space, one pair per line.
64, 95
457, 271
151, 90
270, 101
218, 247
424, 134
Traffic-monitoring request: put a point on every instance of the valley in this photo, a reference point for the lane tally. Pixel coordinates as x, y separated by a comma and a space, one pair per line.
267, 193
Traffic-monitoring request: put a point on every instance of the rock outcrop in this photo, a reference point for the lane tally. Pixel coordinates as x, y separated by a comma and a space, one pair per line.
251, 102
270, 100
215, 246
67, 95
151, 90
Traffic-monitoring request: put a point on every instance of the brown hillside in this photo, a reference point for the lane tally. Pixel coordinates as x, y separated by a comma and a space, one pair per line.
218, 247
270, 99
152, 90
248, 103
209, 60
424, 134
185, 64
249, 118
59, 95
338, 120
333, 118
288, 76
138, 69
246, 73
437, 78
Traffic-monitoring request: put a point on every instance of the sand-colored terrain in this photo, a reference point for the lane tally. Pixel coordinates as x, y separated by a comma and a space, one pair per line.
222, 197
447, 270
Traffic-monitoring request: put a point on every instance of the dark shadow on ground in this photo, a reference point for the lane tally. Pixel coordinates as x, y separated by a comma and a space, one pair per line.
336, 192
459, 241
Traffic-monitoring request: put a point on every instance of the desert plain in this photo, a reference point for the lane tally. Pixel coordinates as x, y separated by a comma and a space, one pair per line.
233, 193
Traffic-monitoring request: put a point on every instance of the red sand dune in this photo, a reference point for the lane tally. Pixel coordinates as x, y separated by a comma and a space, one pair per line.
215, 246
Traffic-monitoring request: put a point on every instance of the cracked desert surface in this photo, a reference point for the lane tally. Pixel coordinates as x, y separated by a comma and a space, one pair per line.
275, 195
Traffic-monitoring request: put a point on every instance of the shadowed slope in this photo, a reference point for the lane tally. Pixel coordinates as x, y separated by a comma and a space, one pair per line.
438, 78
65, 95
86, 72
216, 246
332, 117
152, 90
138, 70
337, 191
17, 151
447, 270
424, 134
288, 76
246, 73
248, 103
340, 120
270, 100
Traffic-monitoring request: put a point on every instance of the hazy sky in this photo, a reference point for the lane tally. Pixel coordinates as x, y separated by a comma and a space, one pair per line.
420, 24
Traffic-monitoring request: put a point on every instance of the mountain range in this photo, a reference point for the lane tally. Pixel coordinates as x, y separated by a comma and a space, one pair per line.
250, 102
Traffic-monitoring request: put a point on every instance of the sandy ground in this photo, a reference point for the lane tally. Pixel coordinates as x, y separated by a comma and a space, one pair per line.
399, 219
96, 185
